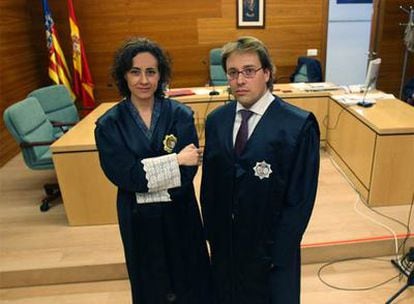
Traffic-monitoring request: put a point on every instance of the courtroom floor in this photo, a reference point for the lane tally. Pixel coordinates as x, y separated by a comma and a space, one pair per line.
86, 264
350, 275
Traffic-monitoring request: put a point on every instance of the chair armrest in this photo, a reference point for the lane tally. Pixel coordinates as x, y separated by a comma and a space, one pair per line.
25, 144
62, 124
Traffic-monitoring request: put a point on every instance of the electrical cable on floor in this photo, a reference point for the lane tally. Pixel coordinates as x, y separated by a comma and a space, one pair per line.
397, 248
378, 223
359, 199
406, 226
354, 288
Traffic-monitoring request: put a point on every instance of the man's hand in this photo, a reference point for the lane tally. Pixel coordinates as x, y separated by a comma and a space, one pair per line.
190, 156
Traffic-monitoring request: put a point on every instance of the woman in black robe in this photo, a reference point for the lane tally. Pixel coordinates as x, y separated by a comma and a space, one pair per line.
147, 147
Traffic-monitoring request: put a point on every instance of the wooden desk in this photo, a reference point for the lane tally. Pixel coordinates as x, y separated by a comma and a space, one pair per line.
89, 198
375, 148
316, 102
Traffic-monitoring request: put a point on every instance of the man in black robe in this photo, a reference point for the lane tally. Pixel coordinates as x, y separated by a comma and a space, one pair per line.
257, 196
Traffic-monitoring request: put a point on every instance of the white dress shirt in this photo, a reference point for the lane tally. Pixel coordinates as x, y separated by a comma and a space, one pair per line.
258, 109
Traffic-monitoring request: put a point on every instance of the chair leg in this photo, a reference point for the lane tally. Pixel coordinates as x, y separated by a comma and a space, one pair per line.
52, 193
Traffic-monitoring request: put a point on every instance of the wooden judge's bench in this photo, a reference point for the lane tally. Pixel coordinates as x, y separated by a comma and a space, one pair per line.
374, 147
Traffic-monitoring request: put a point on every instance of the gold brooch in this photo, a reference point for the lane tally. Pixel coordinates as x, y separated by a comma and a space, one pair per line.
169, 143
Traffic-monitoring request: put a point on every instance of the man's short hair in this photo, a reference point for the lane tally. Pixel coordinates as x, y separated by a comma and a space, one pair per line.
248, 44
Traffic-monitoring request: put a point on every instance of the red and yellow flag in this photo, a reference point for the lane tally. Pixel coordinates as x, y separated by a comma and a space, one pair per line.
82, 79
58, 69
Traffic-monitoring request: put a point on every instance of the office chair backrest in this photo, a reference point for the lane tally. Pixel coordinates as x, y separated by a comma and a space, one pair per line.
27, 123
217, 75
408, 92
307, 70
57, 103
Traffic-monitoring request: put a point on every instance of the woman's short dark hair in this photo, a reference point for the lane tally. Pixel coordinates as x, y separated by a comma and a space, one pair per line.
123, 63
249, 44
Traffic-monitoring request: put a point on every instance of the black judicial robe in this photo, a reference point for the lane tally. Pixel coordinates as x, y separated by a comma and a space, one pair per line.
255, 225
164, 245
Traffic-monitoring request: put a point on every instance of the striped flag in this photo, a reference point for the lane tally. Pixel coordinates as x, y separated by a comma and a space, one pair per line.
58, 69
82, 78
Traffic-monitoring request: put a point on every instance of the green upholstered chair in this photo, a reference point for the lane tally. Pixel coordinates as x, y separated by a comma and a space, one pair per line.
30, 127
58, 105
217, 75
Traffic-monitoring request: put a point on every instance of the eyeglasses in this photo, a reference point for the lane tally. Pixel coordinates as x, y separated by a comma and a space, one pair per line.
247, 73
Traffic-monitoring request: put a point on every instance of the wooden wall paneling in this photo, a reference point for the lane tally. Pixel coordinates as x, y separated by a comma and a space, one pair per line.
286, 32
377, 22
390, 46
20, 61
173, 26
295, 26
324, 31
187, 30
105, 89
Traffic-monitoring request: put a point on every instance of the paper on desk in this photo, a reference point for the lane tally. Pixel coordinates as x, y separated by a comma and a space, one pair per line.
201, 91
352, 99
378, 96
314, 86
299, 86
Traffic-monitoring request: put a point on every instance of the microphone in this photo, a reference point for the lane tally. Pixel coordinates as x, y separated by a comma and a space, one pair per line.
229, 94
363, 102
214, 91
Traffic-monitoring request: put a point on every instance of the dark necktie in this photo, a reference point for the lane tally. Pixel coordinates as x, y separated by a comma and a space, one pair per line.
243, 132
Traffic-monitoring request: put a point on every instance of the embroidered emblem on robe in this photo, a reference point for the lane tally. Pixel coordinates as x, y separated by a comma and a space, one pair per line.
262, 170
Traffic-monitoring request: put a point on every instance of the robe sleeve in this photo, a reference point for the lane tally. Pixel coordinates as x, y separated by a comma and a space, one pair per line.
124, 169
118, 162
300, 196
186, 134
207, 190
